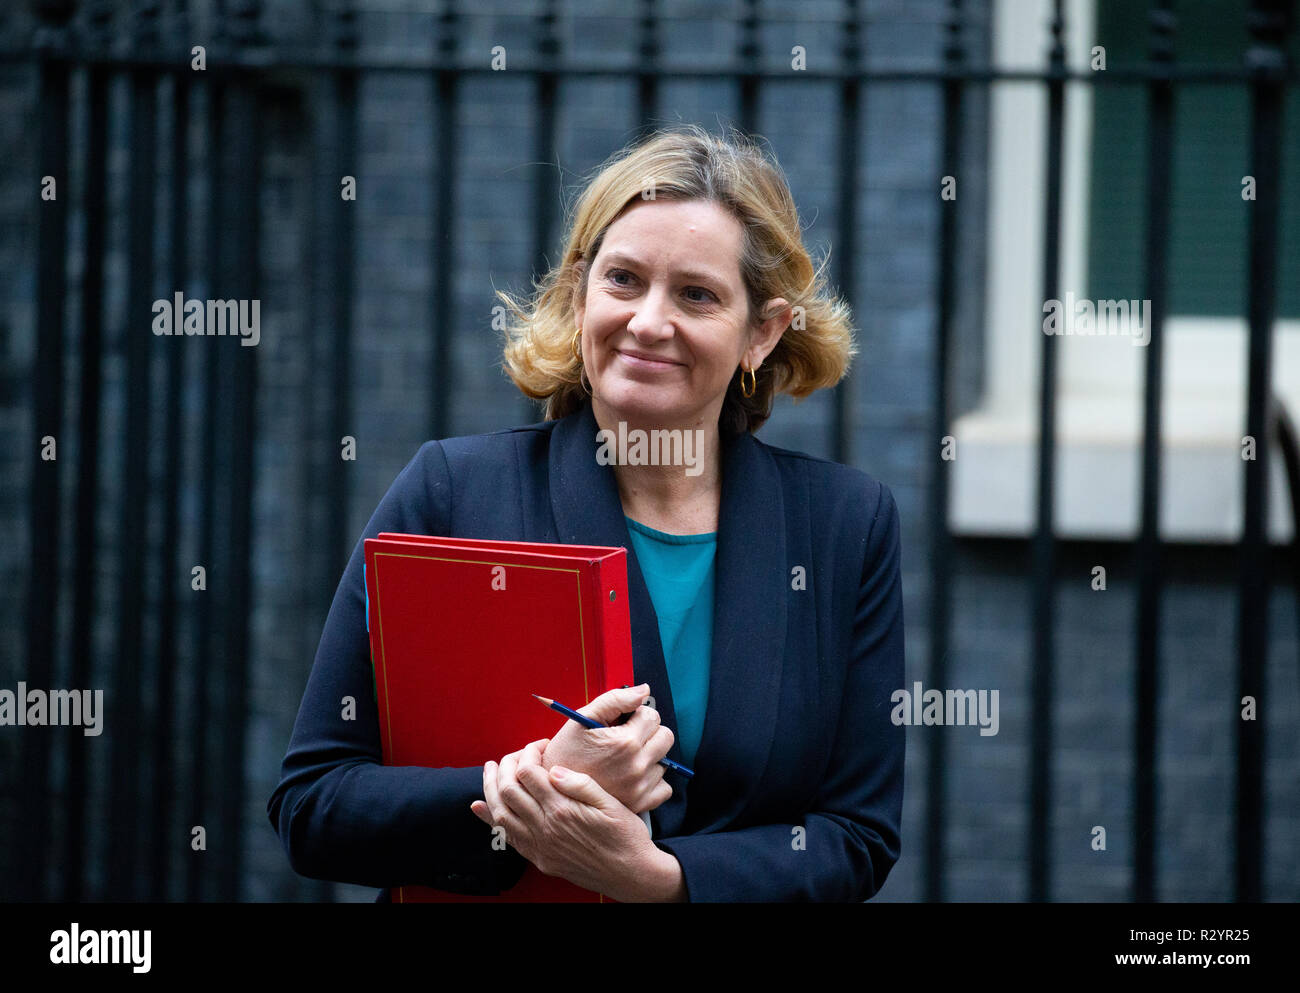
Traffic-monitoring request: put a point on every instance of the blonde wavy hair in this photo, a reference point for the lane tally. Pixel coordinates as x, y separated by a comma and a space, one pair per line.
688, 163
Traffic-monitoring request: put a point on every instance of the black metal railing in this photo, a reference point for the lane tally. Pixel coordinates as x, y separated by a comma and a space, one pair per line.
223, 102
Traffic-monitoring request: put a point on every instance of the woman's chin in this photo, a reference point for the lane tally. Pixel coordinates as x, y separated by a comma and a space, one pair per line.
638, 401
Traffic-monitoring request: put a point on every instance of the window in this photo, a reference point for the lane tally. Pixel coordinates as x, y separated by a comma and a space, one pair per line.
1100, 381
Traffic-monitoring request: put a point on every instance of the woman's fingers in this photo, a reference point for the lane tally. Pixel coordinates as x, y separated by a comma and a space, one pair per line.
651, 788
514, 795
506, 767
643, 724
579, 787
490, 795
660, 745
609, 706
536, 781
660, 795
494, 811
533, 752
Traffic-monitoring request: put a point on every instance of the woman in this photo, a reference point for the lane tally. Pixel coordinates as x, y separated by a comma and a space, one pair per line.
764, 584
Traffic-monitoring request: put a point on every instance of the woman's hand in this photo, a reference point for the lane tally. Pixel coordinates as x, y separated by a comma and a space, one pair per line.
624, 760
564, 823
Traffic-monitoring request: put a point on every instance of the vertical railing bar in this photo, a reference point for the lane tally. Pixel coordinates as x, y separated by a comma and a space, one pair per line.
846, 255
44, 531
1150, 567
242, 362
88, 431
165, 744
204, 623
648, 68
128, 689
749, 55
1268, 21
343, 263
545, 183
444, 256
324, 485
941, 551
225, 285
1044, 541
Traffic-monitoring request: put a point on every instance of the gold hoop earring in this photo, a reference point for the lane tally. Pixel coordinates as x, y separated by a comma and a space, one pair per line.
753, 382
574, 346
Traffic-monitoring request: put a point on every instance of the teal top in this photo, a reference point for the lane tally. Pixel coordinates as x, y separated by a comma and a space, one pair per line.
678, 571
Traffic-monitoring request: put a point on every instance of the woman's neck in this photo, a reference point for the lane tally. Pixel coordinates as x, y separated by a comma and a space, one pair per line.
669, 475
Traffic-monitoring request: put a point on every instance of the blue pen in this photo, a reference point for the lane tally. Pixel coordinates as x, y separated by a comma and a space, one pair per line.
590, 722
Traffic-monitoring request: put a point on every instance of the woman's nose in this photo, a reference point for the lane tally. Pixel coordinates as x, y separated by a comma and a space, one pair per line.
651, 322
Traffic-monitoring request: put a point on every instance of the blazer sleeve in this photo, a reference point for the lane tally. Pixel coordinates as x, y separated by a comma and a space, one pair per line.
851, 836
340, 813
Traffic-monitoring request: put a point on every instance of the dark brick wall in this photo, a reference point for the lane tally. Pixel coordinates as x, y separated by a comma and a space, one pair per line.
893, 274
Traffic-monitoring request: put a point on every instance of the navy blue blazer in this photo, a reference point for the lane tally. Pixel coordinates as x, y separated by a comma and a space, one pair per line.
798, 789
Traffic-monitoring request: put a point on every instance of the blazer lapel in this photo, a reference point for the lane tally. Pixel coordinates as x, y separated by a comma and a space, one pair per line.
749, 612
749, 635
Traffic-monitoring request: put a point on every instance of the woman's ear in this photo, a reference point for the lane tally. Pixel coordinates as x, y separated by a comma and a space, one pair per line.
765, 335
578, 301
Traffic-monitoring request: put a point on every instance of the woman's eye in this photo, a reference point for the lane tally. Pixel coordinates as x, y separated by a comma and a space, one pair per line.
704, 295
614, 274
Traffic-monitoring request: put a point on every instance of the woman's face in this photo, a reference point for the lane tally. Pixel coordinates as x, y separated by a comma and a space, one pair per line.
665, 321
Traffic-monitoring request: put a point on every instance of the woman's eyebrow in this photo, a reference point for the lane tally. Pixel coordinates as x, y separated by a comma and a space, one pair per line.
705, 275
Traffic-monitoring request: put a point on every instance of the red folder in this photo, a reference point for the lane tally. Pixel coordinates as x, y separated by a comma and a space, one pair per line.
462, 631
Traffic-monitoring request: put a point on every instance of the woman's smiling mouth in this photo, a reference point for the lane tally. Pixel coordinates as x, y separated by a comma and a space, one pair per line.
639, 360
